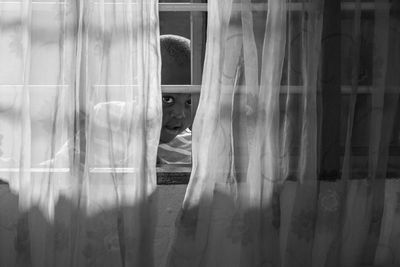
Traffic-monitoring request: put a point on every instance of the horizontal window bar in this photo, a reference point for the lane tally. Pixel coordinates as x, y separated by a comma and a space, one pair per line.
188, 7
189, 89
33, 85
35, 170
161, 168
202, 7
291, 89
113, 170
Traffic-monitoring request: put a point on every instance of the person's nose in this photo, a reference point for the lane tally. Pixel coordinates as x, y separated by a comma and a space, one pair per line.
179, 112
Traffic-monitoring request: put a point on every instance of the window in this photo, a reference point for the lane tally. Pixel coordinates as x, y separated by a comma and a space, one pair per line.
182, 18
187, 19
338, 45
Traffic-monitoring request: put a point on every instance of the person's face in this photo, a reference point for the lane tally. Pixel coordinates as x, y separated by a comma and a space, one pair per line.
177, 115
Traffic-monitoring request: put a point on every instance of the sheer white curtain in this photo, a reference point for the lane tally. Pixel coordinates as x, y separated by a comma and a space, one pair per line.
294, 137
80, 116
294, 141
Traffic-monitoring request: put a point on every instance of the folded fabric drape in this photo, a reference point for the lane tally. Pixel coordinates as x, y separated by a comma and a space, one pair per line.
80, 102
294, 136
295, 142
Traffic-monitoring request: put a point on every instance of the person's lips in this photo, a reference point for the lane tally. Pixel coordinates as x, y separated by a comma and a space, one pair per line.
173, 129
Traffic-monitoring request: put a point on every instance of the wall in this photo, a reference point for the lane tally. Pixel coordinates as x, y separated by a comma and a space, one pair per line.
169, 202
170, 199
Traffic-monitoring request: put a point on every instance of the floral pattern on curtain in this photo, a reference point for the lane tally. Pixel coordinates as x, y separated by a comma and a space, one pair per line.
294, 140
80, 110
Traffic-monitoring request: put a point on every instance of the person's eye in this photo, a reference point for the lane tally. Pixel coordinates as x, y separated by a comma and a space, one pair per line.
189, 102
168, 100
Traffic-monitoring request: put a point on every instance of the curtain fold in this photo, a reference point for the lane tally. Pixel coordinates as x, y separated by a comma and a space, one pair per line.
294, 138
81, 102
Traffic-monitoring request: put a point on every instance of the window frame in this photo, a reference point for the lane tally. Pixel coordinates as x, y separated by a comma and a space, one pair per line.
164, 173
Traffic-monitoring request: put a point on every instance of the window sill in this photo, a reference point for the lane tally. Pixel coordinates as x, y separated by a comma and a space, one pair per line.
171, 174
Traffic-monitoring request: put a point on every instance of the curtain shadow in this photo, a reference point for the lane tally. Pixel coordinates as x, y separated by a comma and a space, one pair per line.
115, 236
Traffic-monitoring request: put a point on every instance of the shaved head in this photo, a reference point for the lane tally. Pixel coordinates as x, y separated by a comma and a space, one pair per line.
175, 53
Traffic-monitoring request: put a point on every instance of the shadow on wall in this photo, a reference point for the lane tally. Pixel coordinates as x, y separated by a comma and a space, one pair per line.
104, 239
100, 240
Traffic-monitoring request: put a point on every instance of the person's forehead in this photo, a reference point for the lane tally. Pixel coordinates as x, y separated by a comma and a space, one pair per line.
172, 73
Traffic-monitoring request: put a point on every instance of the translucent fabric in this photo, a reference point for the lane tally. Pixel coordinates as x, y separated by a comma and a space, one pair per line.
80, 116
295, 137
295, 142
